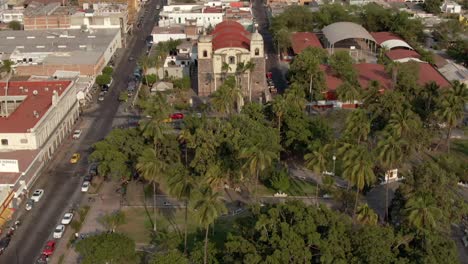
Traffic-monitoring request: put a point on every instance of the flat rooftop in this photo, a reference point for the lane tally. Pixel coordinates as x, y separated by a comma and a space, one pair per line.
55, 40
27, 103
50, 9
24, 158
168, 30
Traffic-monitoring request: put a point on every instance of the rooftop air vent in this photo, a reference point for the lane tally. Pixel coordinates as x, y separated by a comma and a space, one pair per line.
35, 92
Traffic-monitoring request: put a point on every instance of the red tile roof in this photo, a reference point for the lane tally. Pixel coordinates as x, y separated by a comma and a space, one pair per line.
302, 40
24, 158
22, 118
428, 74
384, 36
213, 10
397, 54
230, 34
367, 72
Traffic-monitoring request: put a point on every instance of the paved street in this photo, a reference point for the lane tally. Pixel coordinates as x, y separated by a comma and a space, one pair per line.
60, 180
273, 64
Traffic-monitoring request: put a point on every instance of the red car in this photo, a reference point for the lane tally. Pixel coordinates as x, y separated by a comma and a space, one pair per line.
49, 248
177, 116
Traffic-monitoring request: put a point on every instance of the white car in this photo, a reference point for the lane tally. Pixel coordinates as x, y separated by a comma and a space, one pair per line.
37, 195
85, 186
59, 230
77, 134
67, 218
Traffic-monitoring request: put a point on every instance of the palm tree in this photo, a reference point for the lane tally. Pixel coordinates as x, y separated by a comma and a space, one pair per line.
280, 105
404, 123
145, 63
158, 110
182, 185
249, 67
358, 168
365, 215
348, 92
258, 157
390, 151
422, 212
225, 68
429, 93
208, 207
225, 98
7, 65
240, 70
358, 125
451, 106
152, 167
317, 162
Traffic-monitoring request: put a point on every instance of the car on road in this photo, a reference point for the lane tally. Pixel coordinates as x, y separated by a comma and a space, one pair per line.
77, 134
49, 248
130, 59
67, 218
176, 116
29, 205
88, 177
85, 186
37, 195
75, 158
42, 259
93, 169
4, 244
58, 231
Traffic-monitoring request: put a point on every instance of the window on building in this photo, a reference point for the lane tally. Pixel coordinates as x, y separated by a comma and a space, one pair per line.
257, 52
232, 60
4, 142
205, 54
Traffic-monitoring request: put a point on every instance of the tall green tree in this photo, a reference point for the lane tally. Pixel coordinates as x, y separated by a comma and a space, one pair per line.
358, 125
208, 207
306, 72
14, 25
259, 156
225, 98
365, 215
422, 213
280, 106
348, 93
107, 248
113, 220
358, 167
317, 161
451, 107
6, 66
342, 64
183, 185
390, 151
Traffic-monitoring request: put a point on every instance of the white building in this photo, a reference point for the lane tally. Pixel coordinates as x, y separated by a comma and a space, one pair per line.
451, 8
179, 14
35, 117
161, 34
8, 15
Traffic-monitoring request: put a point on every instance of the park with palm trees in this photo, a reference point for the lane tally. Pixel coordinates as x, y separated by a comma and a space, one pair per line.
221, 170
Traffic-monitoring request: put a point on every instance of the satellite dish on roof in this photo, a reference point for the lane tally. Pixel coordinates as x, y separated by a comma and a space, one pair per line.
35, 92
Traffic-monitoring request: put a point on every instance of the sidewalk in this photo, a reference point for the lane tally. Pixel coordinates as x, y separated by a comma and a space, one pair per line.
105, 202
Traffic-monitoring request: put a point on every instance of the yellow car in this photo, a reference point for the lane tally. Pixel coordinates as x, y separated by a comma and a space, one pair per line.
75, 158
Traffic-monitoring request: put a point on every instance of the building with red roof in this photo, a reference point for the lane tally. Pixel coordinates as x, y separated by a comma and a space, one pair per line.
302, 40
390, 40
35, 117
403, 55
231, 44
368, 72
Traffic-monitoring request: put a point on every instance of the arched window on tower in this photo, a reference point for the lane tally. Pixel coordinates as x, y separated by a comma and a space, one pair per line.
232, 60
257, 52
205, 54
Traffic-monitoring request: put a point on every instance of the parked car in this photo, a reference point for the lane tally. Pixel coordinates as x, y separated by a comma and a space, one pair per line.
37, 195
75, 158
77, 134
49, 248
101, 96
177, 116
4, 244
67, 218
42, 259
29, 205
93, 170
59, 230
88, 178
85, 186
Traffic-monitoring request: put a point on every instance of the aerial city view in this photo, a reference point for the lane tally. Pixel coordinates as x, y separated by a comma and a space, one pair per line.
231, 131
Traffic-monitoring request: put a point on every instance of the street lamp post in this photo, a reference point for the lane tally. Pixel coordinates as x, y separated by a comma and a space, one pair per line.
334, 159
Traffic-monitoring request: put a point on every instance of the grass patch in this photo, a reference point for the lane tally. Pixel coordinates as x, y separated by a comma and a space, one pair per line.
301, 188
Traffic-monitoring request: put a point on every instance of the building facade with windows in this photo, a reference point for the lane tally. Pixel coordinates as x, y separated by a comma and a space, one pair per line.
181, 14
230, 44
35, 117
